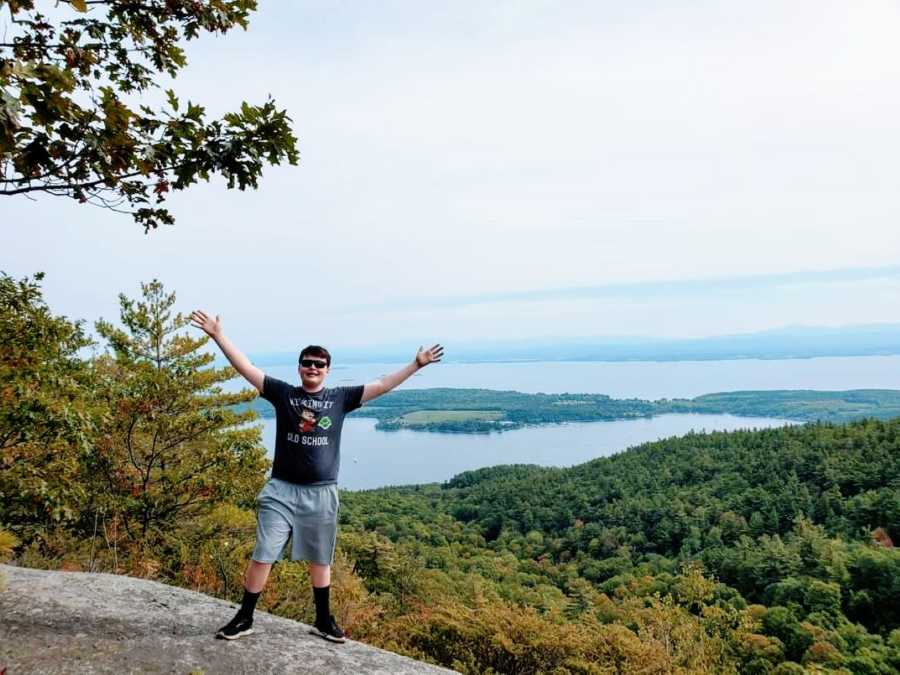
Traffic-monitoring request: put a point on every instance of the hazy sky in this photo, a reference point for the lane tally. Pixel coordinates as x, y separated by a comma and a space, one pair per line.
518, 169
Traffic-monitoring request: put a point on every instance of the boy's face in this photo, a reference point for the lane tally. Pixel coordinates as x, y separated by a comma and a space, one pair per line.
313, 370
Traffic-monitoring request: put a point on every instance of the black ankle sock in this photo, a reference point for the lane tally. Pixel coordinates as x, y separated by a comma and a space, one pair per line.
323, 612
248, 604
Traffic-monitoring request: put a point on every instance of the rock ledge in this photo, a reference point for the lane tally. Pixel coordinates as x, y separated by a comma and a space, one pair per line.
67, 622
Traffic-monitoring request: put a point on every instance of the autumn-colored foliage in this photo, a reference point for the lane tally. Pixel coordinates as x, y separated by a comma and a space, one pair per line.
121, 450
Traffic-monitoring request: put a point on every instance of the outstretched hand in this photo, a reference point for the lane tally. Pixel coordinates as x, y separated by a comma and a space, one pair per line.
209, 325
426, 356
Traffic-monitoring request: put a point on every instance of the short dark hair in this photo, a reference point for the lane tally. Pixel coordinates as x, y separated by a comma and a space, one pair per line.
316, 350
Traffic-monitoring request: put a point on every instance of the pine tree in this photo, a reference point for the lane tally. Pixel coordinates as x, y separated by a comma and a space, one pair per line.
171, 445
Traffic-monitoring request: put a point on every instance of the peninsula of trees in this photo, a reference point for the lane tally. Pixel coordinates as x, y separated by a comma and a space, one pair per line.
485, 410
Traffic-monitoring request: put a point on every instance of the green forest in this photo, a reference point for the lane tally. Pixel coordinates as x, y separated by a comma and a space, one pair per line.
745, 552
488, 410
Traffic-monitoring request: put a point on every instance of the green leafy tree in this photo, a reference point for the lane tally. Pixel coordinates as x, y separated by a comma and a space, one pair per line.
45, 419
170, 446
875, 580
782, 623
72, 120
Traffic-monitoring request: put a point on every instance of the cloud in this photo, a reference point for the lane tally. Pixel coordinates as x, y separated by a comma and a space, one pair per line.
664, 290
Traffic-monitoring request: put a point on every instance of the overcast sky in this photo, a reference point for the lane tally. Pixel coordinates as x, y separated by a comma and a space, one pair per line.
524, 169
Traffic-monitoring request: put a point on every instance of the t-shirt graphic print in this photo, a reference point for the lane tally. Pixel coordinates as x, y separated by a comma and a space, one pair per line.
308, 420
308, 430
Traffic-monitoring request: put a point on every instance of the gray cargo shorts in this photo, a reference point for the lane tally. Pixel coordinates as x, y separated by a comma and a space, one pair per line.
308, 512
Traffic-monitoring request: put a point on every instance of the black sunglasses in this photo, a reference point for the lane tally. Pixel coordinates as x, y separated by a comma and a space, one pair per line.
309, 363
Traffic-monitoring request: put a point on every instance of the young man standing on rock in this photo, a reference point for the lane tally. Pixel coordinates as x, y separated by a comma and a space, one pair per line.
301, 497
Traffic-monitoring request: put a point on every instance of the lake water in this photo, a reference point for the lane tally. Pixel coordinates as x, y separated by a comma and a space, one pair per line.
373, 458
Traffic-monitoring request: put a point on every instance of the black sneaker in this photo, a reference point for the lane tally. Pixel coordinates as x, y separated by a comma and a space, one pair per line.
237, 627
330, 631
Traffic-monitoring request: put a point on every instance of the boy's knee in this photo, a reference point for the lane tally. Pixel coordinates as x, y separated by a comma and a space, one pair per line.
256, 576
320, 575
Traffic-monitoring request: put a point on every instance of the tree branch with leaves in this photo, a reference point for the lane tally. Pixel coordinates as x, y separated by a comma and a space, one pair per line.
71, 121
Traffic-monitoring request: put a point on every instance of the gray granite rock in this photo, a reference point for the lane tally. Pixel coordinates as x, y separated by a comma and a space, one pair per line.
74, 622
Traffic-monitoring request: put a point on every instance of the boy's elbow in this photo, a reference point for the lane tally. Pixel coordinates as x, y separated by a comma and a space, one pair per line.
373, 390
255, 377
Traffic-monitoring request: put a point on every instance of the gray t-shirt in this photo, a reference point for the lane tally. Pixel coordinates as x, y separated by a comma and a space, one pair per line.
308, 430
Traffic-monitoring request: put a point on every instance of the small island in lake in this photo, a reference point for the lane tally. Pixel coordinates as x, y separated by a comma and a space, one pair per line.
450, 410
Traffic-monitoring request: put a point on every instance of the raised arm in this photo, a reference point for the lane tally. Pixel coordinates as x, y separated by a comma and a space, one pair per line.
384, 384
213, 327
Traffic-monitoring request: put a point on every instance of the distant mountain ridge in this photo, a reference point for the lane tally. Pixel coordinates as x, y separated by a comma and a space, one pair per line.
783, 343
